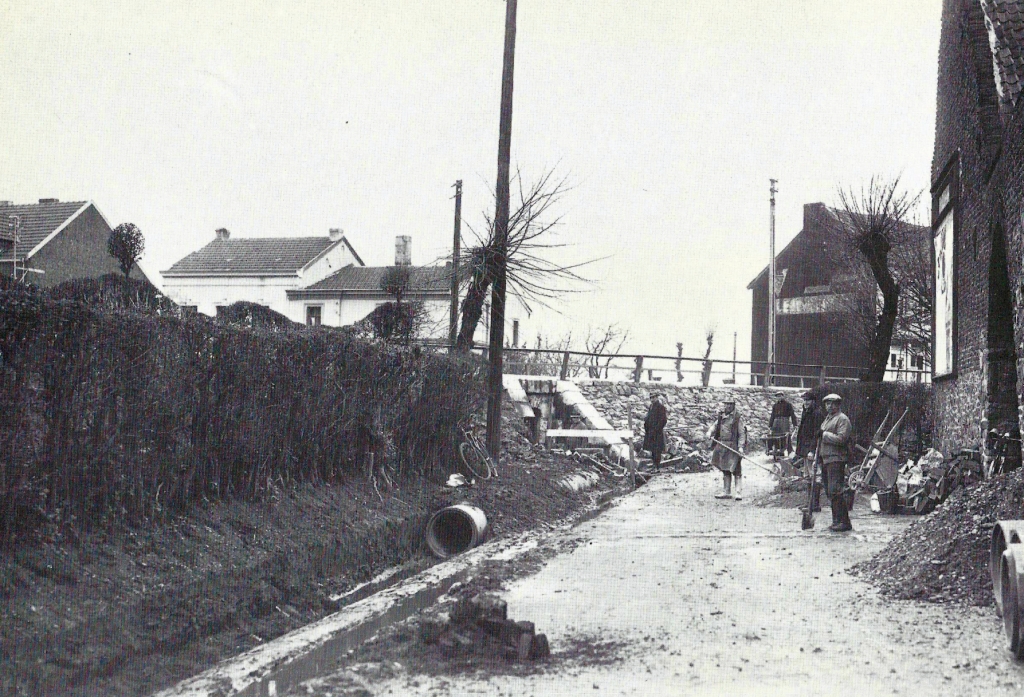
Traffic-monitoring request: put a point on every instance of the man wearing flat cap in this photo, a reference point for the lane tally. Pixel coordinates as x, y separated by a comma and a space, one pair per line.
835, 433
807, 438
731, 435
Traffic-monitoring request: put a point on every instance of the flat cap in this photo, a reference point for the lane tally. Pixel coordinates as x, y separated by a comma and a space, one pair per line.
809, 395
832, 398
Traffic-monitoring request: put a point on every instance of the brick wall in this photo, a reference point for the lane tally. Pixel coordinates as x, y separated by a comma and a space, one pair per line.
967, 126
79, 251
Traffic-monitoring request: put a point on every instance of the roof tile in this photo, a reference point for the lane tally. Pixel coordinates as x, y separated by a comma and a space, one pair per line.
251, 256
368, 278
37, 221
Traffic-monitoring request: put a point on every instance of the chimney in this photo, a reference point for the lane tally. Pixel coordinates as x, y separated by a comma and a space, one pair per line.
49, 200
335, 234
223, 233
403, 250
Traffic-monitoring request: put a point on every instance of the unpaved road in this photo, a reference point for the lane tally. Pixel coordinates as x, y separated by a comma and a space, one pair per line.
725, 598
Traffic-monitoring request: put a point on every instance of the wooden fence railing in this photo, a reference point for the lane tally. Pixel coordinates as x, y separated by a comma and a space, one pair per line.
657, 368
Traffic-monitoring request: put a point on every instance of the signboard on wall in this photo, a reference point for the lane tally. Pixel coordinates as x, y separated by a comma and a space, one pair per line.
944, 309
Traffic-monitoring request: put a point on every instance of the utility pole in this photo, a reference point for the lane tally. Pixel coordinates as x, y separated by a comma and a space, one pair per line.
734, 358
453, 323
770, 370
497, 332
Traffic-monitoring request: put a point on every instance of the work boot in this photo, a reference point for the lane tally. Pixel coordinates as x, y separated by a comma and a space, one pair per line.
840, 516
726, 487
739, 483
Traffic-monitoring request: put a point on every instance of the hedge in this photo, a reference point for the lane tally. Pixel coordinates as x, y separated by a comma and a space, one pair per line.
126, 416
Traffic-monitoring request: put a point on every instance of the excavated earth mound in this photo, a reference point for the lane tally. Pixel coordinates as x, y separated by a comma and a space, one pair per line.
944, 556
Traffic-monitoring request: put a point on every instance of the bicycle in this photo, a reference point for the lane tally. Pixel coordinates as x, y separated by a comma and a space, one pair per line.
474, 455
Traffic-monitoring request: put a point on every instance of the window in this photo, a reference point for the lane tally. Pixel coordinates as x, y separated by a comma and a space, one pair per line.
892, 360
314, 314
944, 232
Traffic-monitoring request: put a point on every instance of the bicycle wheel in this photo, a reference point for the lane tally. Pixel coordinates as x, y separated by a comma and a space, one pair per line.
475, 461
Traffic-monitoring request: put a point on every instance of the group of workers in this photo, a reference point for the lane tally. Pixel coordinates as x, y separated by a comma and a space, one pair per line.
824, 433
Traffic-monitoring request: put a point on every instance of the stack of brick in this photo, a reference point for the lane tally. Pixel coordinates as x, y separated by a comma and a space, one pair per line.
480, 626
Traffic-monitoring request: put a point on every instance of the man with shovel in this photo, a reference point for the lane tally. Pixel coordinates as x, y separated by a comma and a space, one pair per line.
731, 436
835, 434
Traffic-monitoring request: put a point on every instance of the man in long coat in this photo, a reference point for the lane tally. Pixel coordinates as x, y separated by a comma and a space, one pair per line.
730, 431
807, 440
654, 429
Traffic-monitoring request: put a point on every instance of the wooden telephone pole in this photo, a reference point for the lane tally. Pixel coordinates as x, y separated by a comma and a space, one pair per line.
769, 373
453, 323
497, 333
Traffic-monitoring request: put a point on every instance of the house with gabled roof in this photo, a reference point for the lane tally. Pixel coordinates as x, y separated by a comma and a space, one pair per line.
54, 241
814, 297
259, 269
311, 280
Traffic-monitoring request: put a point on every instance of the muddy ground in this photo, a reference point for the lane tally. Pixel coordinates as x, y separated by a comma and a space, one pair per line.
672, 592
133, 611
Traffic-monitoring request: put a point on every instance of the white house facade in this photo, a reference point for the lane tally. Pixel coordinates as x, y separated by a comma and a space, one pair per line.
310, 280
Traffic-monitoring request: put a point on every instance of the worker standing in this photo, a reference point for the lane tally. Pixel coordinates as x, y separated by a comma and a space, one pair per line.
835, 433
654, 429
806, 440
732, 434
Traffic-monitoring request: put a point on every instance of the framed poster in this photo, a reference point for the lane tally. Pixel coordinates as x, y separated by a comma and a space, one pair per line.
945, 309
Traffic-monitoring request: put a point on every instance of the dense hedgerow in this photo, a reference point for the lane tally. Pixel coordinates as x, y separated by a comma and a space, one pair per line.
125, 416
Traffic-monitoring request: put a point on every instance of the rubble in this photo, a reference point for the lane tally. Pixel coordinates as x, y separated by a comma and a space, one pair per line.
943, 557
480, 625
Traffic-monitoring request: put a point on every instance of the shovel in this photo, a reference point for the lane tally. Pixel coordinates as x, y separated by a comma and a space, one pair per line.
807, 519
737, 452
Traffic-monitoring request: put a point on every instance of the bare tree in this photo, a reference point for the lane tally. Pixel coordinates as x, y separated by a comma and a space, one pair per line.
531, 276
879, 253
126, 245
705, 373
608, 340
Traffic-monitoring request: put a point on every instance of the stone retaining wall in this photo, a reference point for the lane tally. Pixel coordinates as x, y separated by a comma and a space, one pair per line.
691, 409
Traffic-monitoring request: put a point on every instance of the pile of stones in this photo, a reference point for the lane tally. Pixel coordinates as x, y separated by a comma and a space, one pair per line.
480, 626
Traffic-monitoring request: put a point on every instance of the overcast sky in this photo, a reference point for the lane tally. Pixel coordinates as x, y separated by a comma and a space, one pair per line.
289, 118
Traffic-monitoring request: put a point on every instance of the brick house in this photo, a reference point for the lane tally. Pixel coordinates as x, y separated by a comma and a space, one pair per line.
977, 194
813, 328
56, 241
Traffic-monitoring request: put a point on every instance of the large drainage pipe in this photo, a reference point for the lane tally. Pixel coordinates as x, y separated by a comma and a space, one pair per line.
455, 529
1004, 533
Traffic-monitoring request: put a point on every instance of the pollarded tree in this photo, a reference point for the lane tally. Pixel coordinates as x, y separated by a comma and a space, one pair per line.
532, 276
883, 259
126, 244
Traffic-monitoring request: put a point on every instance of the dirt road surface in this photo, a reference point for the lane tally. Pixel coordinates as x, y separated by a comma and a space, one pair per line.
709, 597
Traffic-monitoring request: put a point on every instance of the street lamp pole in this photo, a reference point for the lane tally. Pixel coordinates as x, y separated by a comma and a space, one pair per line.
770, 371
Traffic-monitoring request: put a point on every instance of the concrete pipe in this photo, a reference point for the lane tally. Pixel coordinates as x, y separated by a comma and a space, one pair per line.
455, 529
1011, 577
1004, 532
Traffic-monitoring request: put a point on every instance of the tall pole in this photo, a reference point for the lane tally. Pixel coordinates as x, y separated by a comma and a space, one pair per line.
734, 358
770, 372
453, 322
501, 236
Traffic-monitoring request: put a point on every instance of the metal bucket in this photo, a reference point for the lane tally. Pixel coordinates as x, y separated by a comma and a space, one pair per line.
455, 529
1005, 532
